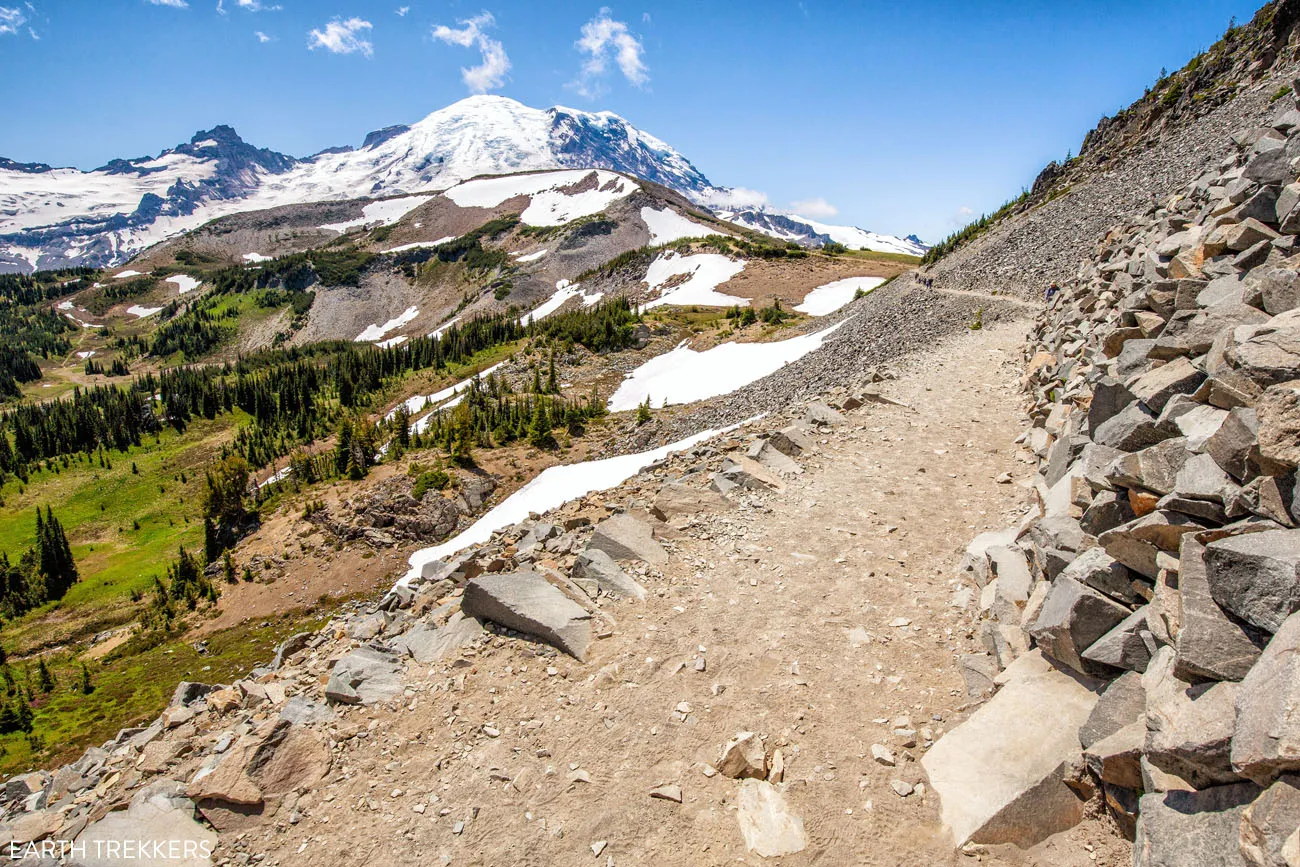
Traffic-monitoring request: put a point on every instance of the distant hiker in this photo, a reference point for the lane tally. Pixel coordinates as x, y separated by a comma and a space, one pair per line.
1051, 292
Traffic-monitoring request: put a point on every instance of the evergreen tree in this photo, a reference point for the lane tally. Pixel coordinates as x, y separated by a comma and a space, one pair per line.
44, 679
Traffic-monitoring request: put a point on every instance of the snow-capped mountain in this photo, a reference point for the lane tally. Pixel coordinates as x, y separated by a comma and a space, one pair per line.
811, 233
58, 217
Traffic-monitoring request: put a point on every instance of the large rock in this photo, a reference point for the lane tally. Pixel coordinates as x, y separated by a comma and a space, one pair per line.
1132, 428
1155, 468
426, 643
676, 500
160, 826
1122, 703
1271, 354
1127, 646
1278, 411
1116, 759
625, 537
1211, 644
1267, 736
1138, 543
364, 676
596, 571
1192, 829
1234, 445
766, 823
1270, 822
526, 602
288, 757
1189, 727
1156, 386
1072, 618
992, 788
1256, 576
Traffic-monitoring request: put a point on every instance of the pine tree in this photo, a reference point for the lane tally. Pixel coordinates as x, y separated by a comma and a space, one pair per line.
552, 386
44, 679
84, 686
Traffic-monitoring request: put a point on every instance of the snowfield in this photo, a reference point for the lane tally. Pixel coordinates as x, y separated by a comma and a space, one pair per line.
254, 258
552, 488
392, 341
686, 376
142, 312
831, 297
86, 354
416, 245
706, 272
564, 290
385, 212
374, 333
667, 226
531, 257
420, 401
549, 204
122, 275
184, 283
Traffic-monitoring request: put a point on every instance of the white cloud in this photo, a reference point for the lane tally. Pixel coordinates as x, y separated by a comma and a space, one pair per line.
963, 216
175, 4
221, 7
491, 73
11, 20
733, 199
604, 39
402, 10
262, 37
816, 207
256, 6
342, 36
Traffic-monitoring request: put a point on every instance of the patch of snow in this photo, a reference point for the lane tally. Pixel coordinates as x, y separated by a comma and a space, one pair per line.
685, 376
831, 297
385, 212
416, 245
667, 226
82, 322
142, 312
392, 341
86, 354
531, 257
256, 257
553, 487
549, 205
184, 283
66, 305
564, 290
437, 332
377, 332
706, 272
420, 401
122, 275
860, 239
277, 476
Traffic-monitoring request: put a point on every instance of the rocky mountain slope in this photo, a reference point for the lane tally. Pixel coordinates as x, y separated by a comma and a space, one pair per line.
811, 233
63, 217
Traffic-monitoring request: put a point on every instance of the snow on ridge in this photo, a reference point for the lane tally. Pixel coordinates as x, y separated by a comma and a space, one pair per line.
255, 258
141, 312
832, 296
374, 333
687, 376
530, 257
667, 226
548, 205
417, 245
706, 272
385, 211
122, 275
564, 290
420, 401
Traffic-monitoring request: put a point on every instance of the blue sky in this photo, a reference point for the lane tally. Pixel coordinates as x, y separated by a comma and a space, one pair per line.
897, 116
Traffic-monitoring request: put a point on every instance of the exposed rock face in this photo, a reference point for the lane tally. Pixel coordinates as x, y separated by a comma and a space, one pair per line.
528, 603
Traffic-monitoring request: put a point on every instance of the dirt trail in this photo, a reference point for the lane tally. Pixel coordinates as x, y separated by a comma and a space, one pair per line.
792, 605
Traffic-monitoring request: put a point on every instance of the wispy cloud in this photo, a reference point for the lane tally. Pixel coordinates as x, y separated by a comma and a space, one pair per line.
402, 10
736, 198
816, 207
175, 4
11, 20
262, 37
221, 7
605, 40
256, 6
491, 73
342, 36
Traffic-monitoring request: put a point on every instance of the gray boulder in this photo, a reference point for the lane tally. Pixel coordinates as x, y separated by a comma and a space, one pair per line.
1156, 386
1182, 829
159, 817
625, 537
1267, 737
1233, 445
526, 602
596, 571
1269, 823
1127, 646
1256, 576
364, 676
426, 643
1103, 572
1278, 411
1132, 428
676, 500
1189, 727
1071, 619
1212, 645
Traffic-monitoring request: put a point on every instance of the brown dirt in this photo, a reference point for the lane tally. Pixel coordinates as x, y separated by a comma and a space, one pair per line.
768, 596
766, 279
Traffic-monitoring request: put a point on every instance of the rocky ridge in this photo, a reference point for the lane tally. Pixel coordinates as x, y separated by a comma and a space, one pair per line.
1149, 598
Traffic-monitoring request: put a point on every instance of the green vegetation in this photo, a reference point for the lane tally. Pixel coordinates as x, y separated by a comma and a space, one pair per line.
44, 572
32, 330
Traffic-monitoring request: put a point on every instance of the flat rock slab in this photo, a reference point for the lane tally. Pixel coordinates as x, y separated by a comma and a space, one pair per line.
1000, 775
528, 603
1180, 828
766, 823
1266, 738
677, 500
625, 537
364, 676
596, 571
1256, 576
428, 644
166, 823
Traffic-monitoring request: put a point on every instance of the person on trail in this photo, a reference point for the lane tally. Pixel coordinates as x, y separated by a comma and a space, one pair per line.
1051, 292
